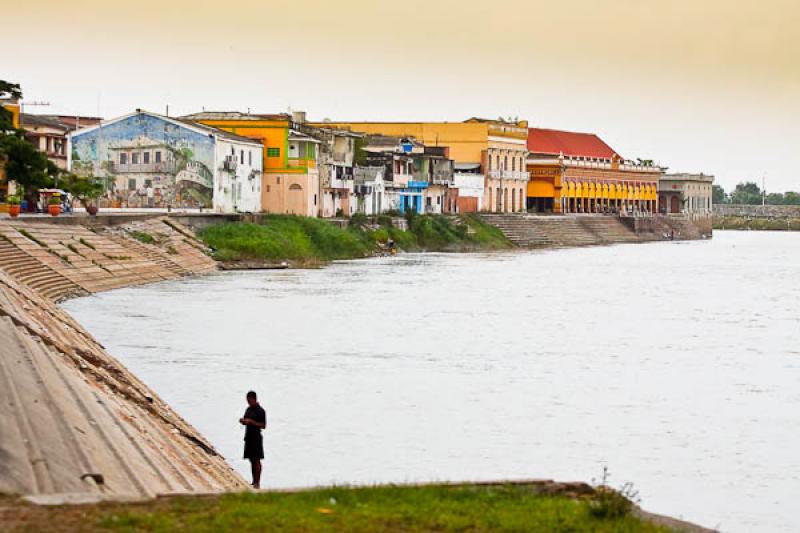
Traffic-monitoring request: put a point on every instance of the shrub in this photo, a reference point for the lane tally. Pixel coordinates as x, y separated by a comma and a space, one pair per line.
13, 200
609, 503
142, 237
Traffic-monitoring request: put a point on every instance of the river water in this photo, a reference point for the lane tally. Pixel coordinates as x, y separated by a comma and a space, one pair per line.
675, 364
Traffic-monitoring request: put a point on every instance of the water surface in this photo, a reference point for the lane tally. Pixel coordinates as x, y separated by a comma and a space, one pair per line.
676, 364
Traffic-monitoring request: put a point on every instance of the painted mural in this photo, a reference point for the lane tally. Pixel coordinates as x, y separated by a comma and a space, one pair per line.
147, 161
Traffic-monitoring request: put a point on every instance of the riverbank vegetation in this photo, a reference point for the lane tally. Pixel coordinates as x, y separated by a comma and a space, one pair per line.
387, 508
305, 241
756, 224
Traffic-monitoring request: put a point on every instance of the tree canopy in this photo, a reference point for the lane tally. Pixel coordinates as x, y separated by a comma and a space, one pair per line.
749, 193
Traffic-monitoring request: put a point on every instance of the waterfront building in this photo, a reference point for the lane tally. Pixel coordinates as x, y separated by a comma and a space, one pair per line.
150, 160
290, 183
336, 164
685, 193
495, 150
574, 172
434, 167
395, 156
369, 190
48, 133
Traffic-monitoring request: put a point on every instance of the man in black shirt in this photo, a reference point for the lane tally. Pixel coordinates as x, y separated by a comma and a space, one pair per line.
254, 420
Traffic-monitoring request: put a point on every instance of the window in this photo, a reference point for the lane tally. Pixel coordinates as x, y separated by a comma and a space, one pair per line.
278, 180
513, 163
250, 157
310, 151
158, 157
135, 158
315, 199
148, 183
267, 188
233, 151
241, 157
146, 158
273, 152
131, 183
123, 158
505, 163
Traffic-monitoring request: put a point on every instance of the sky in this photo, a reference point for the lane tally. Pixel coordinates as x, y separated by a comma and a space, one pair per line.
697, 85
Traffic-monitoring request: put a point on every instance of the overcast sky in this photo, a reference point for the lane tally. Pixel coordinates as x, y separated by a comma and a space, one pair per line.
697, 85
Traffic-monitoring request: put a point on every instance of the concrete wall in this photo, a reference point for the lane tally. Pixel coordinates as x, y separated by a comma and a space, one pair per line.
757, 211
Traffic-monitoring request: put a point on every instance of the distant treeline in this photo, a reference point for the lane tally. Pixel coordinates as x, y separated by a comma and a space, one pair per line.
749, 193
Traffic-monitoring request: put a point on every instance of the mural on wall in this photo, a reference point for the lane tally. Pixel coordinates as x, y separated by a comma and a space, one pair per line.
148, 161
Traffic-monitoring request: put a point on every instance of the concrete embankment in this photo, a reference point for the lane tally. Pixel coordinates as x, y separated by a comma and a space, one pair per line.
76, 424
757, 217
537, 231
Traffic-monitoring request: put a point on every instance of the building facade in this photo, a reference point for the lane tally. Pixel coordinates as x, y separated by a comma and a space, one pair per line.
579, 173
148, 160
496, 149
686, 193
49, 133
290, 183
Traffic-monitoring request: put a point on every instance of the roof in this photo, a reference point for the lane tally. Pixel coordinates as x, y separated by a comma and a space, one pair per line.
222, 134
46, 121
234, 115
569, 143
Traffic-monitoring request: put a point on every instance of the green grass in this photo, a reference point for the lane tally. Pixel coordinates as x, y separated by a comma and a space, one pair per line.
302, 239
444, 509
142, 237
762, 224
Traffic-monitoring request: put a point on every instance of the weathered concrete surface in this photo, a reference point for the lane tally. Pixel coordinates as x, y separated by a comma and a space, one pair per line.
74, 420
60, 260
537, 231
757, 211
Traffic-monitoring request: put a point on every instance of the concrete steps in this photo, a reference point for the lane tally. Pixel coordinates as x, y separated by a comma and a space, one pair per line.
32, 272
531, 231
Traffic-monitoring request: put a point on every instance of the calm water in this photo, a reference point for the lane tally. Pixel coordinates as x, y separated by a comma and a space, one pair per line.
675, 364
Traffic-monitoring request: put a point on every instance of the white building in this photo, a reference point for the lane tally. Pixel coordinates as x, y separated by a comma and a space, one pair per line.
149, 160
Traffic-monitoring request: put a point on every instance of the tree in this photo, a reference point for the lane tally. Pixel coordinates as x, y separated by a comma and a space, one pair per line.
791, 198
718, 194
84, 189
25, 165
746, 193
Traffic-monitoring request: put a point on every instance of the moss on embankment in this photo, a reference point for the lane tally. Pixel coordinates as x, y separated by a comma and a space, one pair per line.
308, 241
756, 224
389, 508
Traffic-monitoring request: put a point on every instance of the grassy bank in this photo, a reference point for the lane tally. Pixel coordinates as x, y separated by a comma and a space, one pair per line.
444, 509
304, 240
763, 224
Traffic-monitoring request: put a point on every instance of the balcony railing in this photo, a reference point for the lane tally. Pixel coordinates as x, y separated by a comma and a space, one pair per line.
509, 174
162, 167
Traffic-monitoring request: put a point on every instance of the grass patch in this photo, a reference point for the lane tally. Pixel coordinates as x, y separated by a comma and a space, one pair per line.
142, 237
302, 239
442, 509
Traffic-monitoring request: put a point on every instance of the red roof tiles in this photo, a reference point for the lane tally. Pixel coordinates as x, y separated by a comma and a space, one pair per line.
543, 141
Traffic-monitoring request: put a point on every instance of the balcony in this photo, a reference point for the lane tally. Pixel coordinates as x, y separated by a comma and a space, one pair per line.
162, 167
401, 180
509, 174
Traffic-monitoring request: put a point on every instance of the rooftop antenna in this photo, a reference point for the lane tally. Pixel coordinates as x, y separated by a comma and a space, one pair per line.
167, 109
22, 105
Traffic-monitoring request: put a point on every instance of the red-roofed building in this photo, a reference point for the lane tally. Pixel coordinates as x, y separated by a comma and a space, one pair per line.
573, 172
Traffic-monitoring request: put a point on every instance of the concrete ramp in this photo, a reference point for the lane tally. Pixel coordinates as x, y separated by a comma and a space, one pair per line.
74, 420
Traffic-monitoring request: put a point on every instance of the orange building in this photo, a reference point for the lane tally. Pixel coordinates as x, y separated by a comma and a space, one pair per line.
290, 183
579, 173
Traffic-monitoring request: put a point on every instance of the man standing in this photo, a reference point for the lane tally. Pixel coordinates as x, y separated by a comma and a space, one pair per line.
254, 420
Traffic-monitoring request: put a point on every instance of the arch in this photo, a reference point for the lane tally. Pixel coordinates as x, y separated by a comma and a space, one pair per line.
514, 199
295, 187
674, 205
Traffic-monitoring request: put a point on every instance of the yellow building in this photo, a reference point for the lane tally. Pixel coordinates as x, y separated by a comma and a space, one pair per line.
495, 148
290, 183
574, 172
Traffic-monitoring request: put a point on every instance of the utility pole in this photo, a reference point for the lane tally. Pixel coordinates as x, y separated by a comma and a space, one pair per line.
763, 191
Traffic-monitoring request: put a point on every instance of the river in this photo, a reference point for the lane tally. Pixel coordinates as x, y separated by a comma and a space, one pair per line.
675, 364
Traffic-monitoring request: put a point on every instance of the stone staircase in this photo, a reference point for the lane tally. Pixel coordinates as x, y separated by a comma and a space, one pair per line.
536, 231
35, 274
